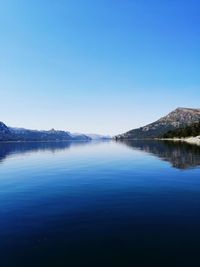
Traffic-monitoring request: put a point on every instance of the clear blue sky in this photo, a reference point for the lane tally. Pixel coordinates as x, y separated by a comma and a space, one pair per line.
97, 66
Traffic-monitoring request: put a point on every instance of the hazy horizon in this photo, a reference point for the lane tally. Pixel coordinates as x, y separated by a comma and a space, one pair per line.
102, 67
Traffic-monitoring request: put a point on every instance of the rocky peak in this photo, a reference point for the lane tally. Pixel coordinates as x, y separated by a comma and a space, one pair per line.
179, 117
182, 116
3, 128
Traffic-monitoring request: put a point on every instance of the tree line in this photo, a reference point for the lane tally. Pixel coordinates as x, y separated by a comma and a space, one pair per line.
191, 130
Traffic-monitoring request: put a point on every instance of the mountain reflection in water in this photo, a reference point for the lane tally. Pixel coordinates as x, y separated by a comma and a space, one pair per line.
180, 154
99, 204
12, 148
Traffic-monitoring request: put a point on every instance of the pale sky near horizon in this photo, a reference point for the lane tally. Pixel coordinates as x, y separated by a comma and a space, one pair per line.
97, 66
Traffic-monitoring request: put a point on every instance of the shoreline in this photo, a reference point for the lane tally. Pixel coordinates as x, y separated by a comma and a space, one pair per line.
191, 140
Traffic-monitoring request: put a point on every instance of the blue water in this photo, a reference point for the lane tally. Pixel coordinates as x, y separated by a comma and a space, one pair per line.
99, 204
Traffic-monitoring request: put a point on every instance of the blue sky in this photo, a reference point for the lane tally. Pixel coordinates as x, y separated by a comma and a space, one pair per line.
97, 66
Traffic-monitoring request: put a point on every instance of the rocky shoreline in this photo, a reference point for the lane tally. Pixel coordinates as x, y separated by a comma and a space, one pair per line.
191, 140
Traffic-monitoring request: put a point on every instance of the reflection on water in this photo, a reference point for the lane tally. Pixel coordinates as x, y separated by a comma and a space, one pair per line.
11, 148
99, 204
180, 154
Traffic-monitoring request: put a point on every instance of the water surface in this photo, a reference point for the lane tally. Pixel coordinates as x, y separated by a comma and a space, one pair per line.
99, 204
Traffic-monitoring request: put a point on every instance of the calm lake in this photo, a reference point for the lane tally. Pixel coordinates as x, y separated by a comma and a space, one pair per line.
99, 204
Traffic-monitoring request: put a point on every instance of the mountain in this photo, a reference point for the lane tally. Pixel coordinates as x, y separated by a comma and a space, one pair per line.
178, 118
51, 135
5, 133
4, 129
91, 136
191, 130
34, 135
21, 134
99, 137
79, 136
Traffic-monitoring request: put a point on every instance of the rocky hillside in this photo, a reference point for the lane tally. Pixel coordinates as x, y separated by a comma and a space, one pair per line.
178, 118
191, 130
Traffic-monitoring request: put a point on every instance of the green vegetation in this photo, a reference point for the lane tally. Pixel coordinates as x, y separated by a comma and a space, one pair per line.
192, 130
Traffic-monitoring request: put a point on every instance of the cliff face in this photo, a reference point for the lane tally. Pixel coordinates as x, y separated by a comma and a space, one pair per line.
178, 118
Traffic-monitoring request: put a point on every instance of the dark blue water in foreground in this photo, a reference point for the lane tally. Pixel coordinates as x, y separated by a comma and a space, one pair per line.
99, 204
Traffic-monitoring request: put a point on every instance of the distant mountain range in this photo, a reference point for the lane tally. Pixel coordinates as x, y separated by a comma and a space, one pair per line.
175, 123
179, 118
21, 134
99, 136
